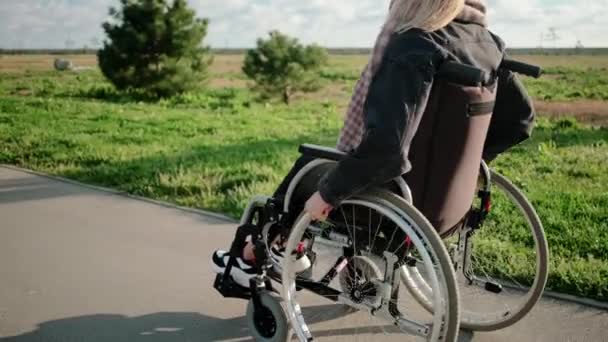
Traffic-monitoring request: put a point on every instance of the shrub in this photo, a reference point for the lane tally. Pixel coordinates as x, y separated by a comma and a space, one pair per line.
281, 66
154, 45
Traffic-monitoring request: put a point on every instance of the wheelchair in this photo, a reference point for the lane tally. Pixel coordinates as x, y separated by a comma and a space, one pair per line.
358, 255
382, 267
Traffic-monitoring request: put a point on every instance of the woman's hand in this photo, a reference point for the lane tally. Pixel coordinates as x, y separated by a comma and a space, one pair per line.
317, 207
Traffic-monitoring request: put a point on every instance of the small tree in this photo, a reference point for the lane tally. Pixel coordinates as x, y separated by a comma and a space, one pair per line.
280, 66
154, 45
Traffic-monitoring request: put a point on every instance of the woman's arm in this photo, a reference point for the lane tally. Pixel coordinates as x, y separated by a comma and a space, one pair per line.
396, 101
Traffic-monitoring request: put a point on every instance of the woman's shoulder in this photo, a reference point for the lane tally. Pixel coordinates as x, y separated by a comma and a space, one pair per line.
414, 43
414, 40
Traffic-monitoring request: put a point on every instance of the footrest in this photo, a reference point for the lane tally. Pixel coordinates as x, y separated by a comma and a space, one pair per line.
228, 288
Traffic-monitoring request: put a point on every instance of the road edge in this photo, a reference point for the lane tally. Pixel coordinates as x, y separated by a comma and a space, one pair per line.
123, 194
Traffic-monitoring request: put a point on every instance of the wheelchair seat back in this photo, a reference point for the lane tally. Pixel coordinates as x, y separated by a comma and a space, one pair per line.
447, 150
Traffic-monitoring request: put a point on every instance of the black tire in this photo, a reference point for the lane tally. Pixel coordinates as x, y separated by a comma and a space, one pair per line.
542, 252
275, 326
469, 319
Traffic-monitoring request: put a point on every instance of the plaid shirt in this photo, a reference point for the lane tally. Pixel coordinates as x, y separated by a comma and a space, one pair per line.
354, 127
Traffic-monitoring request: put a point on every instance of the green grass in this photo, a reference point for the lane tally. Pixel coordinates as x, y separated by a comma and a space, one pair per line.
564, 172
213, 149
586, 80
570, 83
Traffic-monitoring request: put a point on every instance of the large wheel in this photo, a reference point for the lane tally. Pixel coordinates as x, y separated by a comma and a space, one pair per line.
502, 267
362, 237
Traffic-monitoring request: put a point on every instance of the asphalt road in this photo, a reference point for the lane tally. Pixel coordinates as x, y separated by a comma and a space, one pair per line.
78, 264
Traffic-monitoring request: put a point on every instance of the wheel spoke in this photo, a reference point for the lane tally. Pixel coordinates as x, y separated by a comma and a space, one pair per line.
376, 234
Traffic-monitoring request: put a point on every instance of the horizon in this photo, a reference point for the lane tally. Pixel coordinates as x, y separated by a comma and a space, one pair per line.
330, 48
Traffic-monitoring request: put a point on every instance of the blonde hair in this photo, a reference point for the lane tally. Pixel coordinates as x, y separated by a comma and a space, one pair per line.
427, 15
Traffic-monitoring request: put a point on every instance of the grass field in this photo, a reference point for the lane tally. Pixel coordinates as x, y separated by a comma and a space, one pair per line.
215, 147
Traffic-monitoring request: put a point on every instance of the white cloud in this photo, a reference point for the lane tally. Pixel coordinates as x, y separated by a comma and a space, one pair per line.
237, 23
521, 22
50, 23
335, 23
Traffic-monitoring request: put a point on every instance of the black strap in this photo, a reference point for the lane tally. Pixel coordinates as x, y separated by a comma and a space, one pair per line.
481, 108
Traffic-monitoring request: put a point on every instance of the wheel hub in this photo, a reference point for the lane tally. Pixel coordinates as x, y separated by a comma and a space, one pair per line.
356, 295
360, 292
265, 322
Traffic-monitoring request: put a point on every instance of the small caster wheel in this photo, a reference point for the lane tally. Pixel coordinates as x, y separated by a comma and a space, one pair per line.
268, 322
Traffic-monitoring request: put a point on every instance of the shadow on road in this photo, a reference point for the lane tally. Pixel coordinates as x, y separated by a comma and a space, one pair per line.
32, 189
158, 327
170, 327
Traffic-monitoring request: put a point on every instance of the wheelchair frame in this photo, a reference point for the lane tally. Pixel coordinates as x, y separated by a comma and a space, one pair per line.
270, 211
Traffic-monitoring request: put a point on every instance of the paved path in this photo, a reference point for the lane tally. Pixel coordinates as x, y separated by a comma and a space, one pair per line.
78, 264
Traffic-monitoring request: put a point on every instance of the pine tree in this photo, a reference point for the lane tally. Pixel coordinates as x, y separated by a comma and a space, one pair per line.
281, 66
155, 46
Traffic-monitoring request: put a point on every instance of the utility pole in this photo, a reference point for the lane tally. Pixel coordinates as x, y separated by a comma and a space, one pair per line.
95, 42
552, 36
69, 43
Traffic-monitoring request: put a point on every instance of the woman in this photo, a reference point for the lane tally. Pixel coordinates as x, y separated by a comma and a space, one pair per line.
391, 96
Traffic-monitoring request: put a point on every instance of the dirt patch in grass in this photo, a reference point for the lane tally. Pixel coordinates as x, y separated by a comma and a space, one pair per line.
581, 61
219, 82
587, 111
24, 63
225, 72
21, 63
223, 64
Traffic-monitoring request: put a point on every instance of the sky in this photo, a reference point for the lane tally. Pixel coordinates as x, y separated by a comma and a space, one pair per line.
331, 23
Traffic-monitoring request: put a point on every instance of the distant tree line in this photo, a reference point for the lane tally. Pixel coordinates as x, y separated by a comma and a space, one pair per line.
331, 51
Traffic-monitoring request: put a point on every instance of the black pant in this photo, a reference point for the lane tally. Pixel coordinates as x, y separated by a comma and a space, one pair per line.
347, 215
297, 204
284, 186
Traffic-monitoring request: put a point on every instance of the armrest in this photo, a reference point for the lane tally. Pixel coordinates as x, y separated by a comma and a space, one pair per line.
321, 152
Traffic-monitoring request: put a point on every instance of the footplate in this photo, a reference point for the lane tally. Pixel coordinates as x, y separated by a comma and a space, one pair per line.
228, 288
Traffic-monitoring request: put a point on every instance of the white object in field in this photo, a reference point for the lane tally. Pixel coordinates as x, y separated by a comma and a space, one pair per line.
63, 64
